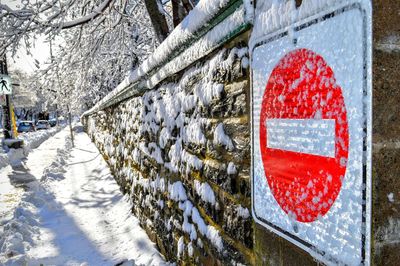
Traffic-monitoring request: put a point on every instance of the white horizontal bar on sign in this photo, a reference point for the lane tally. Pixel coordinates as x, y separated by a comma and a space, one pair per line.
311, 136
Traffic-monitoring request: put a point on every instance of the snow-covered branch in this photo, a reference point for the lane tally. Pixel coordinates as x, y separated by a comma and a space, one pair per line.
98, 11
95, 43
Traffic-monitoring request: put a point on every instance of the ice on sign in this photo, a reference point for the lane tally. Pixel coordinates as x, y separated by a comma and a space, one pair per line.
310, 118
311, 136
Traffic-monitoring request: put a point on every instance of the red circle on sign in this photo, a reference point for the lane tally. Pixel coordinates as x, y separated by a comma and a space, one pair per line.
302, 86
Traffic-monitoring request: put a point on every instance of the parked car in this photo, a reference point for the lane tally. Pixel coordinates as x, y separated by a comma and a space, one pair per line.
26, 126
53, 122
42, 124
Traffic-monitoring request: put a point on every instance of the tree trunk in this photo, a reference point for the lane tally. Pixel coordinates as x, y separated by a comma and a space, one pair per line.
188, 5
175, 12
158, 20
179, 11
70, 127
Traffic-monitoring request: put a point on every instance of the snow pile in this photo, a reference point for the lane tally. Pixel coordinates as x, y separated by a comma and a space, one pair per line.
176, 191
200, 48
193, 132
17, 234
31, 140
390, 197
181, 246
192, 162
207, 92
231, 170
190, 249
242, 212
158, 185
205, 191
16, 237
186, 207
56, 169
203, 12
15, 156
189, 228
220, 138
175, 157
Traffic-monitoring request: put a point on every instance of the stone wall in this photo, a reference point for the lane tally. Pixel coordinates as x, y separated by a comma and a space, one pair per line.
182, 152
386, 132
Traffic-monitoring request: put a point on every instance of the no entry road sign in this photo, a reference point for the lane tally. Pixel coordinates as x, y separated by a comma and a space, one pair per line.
311, 115
304, 136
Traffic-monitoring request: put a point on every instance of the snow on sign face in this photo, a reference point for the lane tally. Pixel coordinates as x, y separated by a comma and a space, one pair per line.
311, 124
304, 136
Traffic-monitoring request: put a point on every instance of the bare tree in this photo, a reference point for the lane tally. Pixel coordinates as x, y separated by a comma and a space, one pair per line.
95, 42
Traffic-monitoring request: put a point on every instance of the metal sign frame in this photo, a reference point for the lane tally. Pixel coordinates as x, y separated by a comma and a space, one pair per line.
367, 110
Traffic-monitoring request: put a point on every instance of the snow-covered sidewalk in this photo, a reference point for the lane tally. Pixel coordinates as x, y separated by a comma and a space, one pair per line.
31, 140
76, 215
31, 168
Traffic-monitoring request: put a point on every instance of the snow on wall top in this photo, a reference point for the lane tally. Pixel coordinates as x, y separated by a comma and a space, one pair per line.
187, 31
204, 11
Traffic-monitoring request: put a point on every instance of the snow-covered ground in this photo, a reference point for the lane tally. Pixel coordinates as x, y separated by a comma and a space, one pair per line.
75, 214
31, 140
31, 168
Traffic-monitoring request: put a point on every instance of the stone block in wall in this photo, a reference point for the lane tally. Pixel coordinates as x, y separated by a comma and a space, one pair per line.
227, 212
387, 184
244, 185
216, 172
234, 143
239, 131
233, 183
232, 102
387, 254
386, 95
386, 205
195, 149
238, 223
230, 69
270, 249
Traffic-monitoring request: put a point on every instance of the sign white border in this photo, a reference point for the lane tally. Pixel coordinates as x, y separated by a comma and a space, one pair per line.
365, 7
